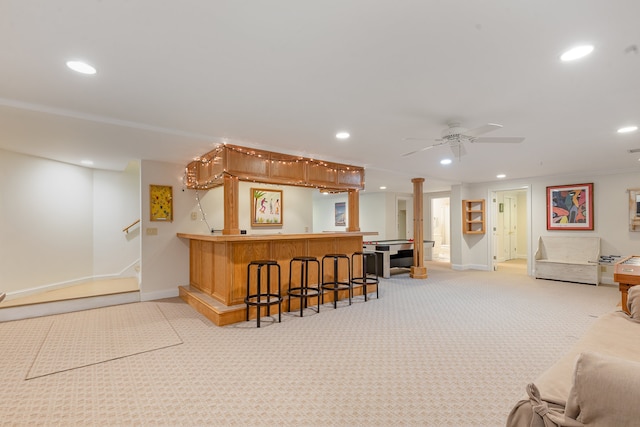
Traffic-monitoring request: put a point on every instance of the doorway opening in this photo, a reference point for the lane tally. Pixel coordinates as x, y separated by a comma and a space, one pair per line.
441, 229
510, 229
404, 218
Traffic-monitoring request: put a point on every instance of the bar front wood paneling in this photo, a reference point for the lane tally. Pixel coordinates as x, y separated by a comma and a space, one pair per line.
218, 266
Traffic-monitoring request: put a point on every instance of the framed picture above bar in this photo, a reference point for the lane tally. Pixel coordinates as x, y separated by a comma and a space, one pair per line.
570, 207
266, 207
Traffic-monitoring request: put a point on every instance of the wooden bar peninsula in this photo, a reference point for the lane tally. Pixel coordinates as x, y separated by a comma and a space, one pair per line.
218, 267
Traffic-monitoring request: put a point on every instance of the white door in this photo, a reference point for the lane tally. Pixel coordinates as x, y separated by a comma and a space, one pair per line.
510, 224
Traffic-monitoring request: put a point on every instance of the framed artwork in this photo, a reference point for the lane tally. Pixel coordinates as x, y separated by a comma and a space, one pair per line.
634, 209
161, 203
340, 213
570, 207
266, 207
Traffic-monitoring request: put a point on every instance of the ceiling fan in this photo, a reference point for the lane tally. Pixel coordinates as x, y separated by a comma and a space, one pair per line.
455, 135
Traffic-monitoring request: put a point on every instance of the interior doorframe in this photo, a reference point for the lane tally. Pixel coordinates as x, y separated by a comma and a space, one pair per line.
408, 200
428, 215
492, 222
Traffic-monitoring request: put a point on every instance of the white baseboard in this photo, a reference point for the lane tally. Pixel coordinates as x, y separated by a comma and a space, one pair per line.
150, 296
470, 267
66, 306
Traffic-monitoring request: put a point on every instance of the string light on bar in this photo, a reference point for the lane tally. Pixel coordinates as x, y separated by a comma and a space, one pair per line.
268, 158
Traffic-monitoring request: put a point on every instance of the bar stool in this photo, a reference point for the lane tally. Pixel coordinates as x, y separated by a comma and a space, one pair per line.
367, 279
304, 290
261, 297
336, 285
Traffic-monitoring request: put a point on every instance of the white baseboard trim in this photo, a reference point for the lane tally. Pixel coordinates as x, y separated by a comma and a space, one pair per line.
470, 267
150, 296
66, 306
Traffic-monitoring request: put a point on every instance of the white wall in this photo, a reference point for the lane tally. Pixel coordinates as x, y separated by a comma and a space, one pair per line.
297, 210
116, 202
165, 256
611, 212
58, 222
377, 213
324, 211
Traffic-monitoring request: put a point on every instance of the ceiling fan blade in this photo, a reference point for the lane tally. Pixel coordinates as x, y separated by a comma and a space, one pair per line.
489, 127
428, 147
417, 151
500, 139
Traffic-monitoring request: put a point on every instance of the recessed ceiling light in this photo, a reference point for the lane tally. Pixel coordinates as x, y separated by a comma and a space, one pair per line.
445, 161
628, 129
81, 67
342, 135
576, 53
87, 162
501, 175
383, 188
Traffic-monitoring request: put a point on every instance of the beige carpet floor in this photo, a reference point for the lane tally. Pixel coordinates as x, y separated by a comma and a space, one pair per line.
84, 338
456, 349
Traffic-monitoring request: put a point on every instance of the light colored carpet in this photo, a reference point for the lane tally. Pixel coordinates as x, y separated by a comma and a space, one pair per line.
456, 349
84, 338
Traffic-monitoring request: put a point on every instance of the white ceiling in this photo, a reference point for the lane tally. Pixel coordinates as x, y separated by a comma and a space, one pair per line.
176, 78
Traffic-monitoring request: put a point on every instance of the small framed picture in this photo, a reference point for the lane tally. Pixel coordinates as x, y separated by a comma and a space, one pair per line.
340, 214
161, 203
266, 208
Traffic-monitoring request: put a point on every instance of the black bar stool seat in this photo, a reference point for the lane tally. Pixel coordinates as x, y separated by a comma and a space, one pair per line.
304, 290
336, 284
263, 297
366, 279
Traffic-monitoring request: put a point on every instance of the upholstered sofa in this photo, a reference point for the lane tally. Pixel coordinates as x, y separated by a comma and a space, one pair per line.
597, 383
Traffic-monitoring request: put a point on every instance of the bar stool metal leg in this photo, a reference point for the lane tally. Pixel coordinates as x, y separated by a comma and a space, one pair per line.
336, 284
366, 279
304, 290
263, 298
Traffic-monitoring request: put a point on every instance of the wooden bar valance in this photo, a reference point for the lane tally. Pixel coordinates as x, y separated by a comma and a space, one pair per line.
249, 164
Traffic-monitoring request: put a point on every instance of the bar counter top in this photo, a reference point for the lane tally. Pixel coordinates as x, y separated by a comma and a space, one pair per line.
275, 236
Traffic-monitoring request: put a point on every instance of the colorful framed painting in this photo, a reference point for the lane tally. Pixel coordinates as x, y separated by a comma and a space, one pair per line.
266, 208
161, 203
570, 207
340, 214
